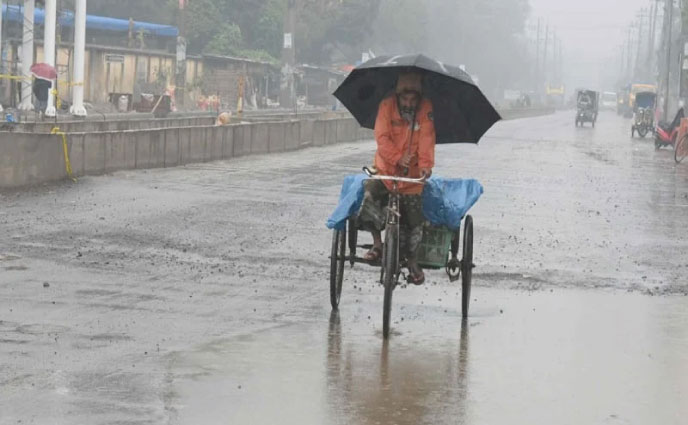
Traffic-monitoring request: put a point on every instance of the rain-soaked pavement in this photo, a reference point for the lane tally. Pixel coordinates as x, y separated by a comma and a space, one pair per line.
199, 295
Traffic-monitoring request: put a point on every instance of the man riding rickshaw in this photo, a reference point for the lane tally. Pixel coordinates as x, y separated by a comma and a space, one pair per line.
412, 102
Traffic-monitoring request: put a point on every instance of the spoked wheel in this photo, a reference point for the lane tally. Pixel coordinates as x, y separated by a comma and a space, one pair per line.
466, 265
390, 265
681, 149
337, 259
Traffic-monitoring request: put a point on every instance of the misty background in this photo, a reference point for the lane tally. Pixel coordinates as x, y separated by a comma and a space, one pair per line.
497, 40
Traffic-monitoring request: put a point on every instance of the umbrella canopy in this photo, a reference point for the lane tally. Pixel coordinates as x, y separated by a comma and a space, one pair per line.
462, 113
44, 71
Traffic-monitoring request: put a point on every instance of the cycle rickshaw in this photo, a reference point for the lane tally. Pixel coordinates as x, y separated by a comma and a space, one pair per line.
461, 114
644, 114
439, 249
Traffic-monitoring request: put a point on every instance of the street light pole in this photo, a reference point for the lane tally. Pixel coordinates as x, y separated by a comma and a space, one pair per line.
180, 77
287, 94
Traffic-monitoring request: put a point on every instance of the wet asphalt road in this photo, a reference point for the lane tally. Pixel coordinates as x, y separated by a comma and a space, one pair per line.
199, 295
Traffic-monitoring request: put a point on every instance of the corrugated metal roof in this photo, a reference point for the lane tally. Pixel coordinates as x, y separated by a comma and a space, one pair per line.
16, 14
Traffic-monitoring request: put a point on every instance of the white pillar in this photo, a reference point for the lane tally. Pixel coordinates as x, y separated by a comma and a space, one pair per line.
27, 56
49, 48
79, 55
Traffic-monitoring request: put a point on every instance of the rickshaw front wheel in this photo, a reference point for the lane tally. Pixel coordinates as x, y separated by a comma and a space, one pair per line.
467, 266
390, 265
337, 259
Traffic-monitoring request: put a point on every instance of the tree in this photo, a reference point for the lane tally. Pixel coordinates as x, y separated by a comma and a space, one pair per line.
333, 29
247, 28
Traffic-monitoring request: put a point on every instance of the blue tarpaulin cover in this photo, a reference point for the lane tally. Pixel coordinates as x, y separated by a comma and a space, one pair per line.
445, 201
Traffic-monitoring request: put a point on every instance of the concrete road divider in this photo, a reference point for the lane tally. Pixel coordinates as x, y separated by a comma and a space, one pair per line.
33, 158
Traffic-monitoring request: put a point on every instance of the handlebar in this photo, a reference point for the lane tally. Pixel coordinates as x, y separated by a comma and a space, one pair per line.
375, 176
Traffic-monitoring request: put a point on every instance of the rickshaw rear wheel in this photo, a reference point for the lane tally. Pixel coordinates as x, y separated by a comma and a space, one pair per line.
681, 149
467, 266
390, 264
337, 259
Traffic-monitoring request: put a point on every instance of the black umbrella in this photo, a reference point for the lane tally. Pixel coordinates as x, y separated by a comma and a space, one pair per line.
462, 114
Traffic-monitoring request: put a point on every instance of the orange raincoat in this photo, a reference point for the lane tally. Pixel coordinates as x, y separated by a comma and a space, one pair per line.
392, 135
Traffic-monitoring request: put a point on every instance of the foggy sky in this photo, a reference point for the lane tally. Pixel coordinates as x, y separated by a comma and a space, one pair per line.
591, 33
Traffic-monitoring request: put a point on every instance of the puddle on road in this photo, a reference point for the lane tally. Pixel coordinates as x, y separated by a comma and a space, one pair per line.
565, 357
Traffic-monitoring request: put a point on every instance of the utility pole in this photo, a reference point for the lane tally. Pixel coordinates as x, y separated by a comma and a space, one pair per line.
668, 24
629, 54
287, 90
638, 56
180, 77
554, 57
622, 61
537, 57
649, 65
544, 61
561, 65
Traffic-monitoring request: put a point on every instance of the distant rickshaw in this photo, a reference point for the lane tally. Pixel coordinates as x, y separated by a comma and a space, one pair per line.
587, 102
643, 113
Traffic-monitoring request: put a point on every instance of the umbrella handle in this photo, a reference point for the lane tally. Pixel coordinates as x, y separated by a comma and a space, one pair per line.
410, 139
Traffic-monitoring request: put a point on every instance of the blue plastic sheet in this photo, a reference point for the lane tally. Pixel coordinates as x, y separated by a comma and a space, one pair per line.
445, 201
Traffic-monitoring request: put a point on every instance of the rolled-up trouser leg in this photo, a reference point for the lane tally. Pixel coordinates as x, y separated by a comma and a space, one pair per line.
411, 225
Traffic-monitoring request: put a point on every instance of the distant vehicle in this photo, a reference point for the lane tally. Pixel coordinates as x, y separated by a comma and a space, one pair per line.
634, 90
517, 98
587, 102
622, 105
555, 96
609, 100
644, 113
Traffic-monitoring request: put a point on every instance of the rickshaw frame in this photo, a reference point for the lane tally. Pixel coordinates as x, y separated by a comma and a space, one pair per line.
391, 264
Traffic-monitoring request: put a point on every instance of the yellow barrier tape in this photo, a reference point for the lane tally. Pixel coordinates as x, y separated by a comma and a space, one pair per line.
21, 77
13, 77
58, 101
68, 165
